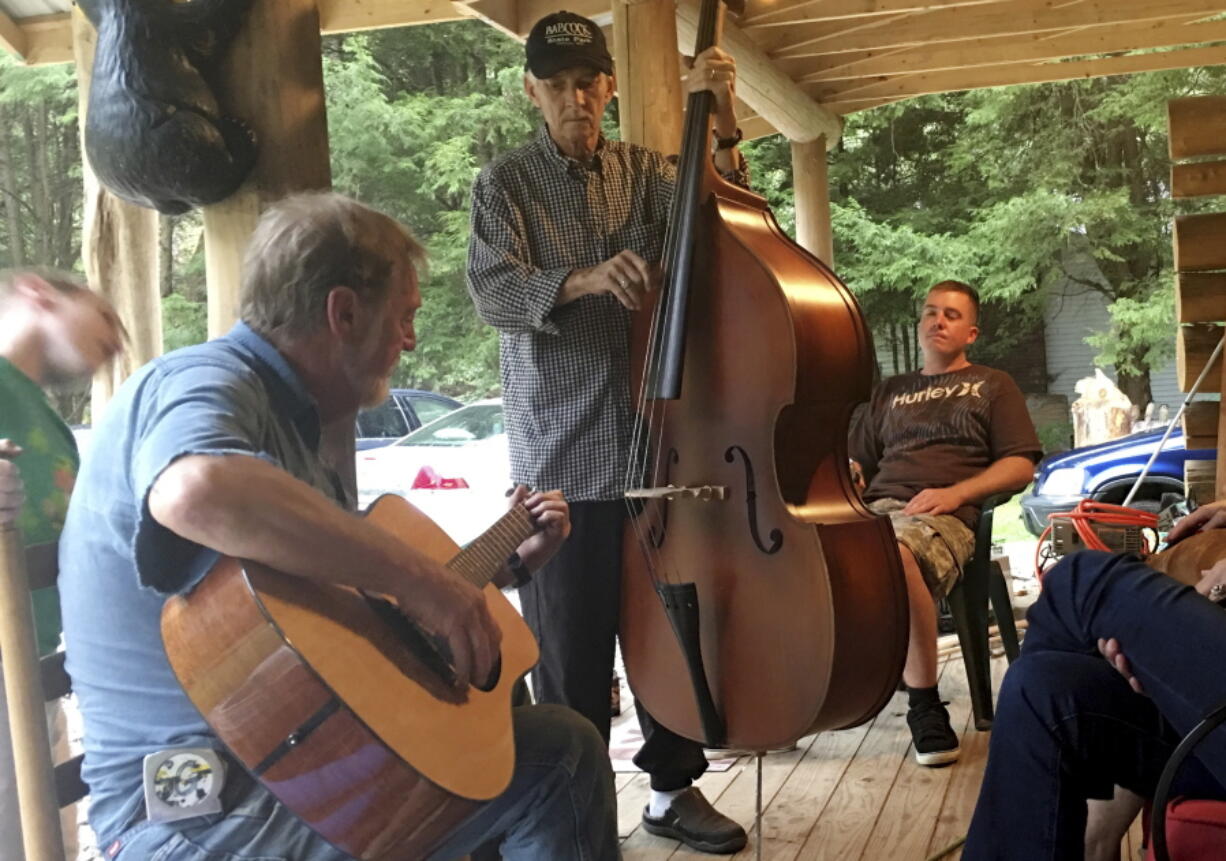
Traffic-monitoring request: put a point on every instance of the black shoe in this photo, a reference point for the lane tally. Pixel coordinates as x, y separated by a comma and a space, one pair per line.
692, 820
936, 743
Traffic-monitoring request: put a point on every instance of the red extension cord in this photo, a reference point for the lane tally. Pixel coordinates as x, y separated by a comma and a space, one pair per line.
1086, 514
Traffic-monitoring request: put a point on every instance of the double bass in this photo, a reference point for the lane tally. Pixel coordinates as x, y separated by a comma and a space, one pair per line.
761, 600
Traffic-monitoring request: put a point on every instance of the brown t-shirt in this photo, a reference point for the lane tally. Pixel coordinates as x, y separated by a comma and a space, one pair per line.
922, 431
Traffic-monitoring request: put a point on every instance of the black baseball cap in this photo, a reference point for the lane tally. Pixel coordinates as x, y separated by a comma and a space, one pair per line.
564, 40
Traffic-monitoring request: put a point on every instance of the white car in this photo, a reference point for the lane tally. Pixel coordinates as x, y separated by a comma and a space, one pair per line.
456, 469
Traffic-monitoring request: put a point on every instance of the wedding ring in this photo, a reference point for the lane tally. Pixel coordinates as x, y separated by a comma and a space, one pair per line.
1217, 594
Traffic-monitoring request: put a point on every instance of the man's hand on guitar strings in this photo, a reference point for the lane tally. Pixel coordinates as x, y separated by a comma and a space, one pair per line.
455, 611
551, 513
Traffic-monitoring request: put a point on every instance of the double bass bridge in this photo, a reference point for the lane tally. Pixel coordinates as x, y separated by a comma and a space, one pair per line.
703, 493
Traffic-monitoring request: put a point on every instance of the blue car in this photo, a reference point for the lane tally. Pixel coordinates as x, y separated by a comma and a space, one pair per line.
404, 411
1106, 473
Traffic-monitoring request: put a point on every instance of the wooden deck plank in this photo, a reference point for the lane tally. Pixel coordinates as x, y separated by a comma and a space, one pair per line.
630, 802
796, 806
908, 819
1134, 842
955, 816
739, 798
844, 826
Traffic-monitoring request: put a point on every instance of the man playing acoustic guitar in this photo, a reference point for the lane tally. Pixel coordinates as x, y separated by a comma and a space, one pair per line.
214, 451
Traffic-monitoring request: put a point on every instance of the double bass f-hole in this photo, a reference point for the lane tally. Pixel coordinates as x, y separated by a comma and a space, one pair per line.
658, 529
751, 503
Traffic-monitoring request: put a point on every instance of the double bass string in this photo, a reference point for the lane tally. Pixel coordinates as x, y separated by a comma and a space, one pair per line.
648, 437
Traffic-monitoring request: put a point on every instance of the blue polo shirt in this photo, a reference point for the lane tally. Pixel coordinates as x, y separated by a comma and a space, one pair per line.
233, 395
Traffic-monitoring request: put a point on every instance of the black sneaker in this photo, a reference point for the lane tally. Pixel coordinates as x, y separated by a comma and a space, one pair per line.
936, 743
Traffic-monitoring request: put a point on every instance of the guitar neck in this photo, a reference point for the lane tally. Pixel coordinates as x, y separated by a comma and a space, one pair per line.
483, 558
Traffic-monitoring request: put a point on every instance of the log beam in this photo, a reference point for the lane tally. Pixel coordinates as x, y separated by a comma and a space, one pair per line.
119, 246
773, 95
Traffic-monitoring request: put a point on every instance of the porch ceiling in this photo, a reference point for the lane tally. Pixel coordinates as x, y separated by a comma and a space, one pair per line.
845, 55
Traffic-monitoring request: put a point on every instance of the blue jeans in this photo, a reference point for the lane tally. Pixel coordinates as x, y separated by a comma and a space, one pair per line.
1068, 727
560, 805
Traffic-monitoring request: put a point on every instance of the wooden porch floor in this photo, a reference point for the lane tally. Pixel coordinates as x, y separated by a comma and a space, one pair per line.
842, 796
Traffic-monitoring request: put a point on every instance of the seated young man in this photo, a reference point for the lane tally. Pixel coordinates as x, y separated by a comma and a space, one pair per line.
214, 450
932, 445
1120, 662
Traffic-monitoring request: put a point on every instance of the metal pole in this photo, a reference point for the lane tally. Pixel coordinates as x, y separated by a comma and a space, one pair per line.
1136, 485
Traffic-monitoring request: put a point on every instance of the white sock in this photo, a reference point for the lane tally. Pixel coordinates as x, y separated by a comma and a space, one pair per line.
661, 801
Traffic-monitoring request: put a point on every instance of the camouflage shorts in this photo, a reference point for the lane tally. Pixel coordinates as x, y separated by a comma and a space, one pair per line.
941, 543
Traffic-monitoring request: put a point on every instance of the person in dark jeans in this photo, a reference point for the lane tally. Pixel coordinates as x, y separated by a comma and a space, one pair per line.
1071, 725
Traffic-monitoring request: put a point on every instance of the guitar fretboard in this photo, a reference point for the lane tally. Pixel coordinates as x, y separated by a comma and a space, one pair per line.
482, 559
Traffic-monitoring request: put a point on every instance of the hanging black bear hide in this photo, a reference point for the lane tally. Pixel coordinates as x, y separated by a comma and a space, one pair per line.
154, 133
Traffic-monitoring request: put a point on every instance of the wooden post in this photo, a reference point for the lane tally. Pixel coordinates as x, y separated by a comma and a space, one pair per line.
274, 82
119, 247
810, 181
648, 73
32, 766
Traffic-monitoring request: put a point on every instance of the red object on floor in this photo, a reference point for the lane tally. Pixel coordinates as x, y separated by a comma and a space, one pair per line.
1195, 830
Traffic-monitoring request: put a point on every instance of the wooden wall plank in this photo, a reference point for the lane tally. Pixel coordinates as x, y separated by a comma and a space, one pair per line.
1198, 479
1200, 242
1200, 419
1197, 126
1200, 297
1193, 346
1199, 179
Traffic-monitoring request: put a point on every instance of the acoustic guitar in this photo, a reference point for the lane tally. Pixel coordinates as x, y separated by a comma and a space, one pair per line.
345, 710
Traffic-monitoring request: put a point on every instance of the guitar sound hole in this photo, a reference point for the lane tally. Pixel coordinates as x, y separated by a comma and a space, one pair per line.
432, 651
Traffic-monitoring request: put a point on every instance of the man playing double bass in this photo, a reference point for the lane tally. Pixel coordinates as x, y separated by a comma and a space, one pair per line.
566, 234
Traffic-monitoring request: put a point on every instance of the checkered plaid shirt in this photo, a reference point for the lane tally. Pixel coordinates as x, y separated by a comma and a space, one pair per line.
537, 216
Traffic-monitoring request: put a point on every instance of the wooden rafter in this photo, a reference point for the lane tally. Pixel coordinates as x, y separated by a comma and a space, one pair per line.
772, 94
1003, 50
12, 37
345, 16
862, 96
959, 24
771, 13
